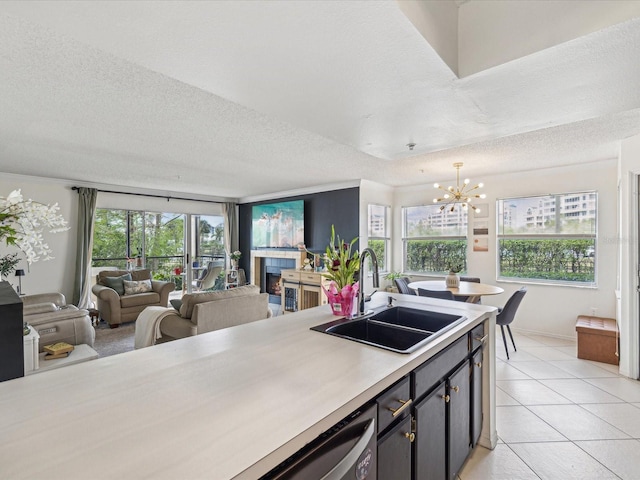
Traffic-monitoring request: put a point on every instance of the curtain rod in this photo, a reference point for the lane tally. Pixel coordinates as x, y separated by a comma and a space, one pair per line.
168, 197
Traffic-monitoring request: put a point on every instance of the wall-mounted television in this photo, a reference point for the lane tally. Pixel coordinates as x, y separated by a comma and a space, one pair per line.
277, 225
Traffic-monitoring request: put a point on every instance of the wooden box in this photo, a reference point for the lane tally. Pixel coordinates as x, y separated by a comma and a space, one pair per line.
597, 339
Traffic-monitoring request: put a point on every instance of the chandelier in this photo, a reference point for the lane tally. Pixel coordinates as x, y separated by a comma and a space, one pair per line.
459, 194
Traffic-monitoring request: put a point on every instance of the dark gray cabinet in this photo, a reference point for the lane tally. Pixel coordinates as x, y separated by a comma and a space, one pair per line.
476, 396
445, 410
394, 452
431, 430
11, 334
458, 419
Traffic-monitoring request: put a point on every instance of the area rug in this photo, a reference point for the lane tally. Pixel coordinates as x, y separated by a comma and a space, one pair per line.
112, 341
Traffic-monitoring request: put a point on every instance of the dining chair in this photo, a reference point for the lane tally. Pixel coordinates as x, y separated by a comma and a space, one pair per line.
403, 286
468, 279
507, 314
444, 294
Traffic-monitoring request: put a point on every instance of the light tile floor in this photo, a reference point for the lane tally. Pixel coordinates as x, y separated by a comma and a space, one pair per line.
559, 417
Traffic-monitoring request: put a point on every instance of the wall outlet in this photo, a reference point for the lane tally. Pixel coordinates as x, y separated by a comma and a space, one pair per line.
593, 311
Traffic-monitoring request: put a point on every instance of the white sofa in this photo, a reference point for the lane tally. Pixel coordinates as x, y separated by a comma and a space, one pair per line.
208, 311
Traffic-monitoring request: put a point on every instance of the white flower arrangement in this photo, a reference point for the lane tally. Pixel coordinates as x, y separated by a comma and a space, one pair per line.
236, 255
22, 223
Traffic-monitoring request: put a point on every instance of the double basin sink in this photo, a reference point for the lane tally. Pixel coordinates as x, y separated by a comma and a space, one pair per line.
399, 329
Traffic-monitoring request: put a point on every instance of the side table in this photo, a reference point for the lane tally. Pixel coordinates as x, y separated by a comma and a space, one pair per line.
81, 353
95, 316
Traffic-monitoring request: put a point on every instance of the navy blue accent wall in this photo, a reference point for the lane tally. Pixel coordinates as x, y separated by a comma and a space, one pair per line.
321, 210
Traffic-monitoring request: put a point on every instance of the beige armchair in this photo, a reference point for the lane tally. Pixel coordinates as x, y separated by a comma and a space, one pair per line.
55, 321
118, 306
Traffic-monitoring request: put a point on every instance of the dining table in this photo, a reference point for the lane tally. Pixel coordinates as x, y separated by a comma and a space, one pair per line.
472, 290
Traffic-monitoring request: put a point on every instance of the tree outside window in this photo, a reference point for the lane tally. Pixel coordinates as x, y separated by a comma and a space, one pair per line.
154, 240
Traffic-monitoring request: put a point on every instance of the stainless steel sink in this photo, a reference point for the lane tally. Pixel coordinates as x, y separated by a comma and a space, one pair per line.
400, 329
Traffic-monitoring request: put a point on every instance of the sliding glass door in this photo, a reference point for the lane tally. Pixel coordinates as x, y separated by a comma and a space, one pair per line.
174, 246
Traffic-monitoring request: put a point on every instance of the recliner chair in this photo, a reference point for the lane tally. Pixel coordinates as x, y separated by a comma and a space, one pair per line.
55, 321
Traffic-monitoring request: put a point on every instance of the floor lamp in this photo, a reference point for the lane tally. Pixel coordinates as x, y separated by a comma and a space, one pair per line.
19, 274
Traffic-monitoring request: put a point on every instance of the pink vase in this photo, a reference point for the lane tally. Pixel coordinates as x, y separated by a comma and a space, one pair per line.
343, 303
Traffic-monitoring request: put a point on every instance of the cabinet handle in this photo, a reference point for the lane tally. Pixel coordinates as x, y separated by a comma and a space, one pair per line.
411, 436
455, 389
396, 411
481, 339
446, 398
479, 364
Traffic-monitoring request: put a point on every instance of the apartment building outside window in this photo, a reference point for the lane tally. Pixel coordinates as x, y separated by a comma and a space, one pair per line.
380, 235
434, 240
548, 238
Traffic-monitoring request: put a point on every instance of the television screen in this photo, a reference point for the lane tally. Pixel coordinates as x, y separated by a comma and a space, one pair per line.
278, 225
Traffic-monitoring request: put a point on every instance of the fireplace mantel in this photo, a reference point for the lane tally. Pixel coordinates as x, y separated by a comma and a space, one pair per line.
258, 255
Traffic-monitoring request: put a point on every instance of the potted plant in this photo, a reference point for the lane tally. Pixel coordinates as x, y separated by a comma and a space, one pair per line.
453, 279
392, 276
22, 223
343, 266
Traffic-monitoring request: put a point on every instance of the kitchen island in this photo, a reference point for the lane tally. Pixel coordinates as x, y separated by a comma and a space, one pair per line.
229, 404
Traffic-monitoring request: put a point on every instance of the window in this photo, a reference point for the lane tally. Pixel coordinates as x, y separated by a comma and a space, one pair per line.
155, 240
379, 237
550, 238
434, 240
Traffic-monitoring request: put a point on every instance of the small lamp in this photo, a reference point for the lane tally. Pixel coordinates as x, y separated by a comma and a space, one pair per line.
19, 274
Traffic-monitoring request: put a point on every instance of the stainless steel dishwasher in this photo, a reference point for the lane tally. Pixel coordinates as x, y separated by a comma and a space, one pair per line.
346, 451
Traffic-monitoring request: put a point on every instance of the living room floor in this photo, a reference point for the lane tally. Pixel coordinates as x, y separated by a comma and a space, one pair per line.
559, 417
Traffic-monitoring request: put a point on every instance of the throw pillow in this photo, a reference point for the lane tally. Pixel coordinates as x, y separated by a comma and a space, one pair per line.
131, 288
116, 282
176, 303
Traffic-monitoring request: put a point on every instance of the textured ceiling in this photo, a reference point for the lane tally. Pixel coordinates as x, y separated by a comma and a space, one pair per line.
239, 99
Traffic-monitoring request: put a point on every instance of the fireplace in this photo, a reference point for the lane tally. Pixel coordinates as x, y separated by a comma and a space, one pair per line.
274, 259
272, 279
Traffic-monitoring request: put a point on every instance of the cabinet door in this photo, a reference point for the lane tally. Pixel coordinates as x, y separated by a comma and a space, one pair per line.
289, 297
310, 296
430, 457
459, 388
394, 453
476, 396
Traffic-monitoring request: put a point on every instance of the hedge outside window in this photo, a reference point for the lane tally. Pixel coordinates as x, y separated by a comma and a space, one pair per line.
434, 240
379, 236
548, 238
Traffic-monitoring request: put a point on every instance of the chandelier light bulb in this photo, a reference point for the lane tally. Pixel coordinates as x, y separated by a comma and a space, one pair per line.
461, 193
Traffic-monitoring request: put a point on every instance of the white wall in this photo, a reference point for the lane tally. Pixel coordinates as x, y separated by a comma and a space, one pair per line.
629, 169
548, 309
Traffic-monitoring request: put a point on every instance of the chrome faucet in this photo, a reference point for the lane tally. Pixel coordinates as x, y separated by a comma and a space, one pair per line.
376, 278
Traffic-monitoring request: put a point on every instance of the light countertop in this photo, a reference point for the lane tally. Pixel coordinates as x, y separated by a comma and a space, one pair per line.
227, 404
